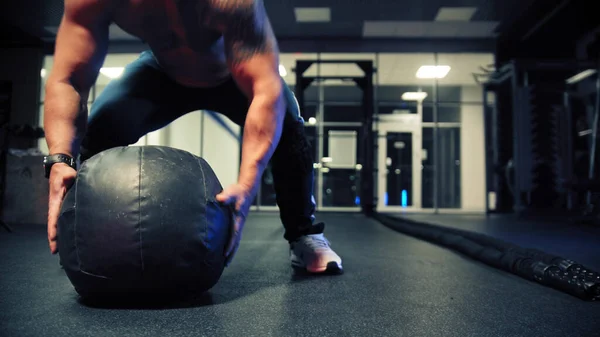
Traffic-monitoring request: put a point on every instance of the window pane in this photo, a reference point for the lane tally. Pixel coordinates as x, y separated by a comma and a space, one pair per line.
346, 65
332, 89
288, 64
399, 169
341, 177
44, 73
267, 195
428, 113
342, 92
43, 86
341, 187
428, 169
92, 96
449, 93
449, 182
310, 111
463, 81
448, 113
398, 108
311, 135
41, 115
397, 75
42, 145
343, 113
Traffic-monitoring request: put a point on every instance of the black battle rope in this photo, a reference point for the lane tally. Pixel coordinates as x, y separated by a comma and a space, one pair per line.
534, 265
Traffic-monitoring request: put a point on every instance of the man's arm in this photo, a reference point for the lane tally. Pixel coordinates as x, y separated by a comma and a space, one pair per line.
81, 45
79, 53
253, 59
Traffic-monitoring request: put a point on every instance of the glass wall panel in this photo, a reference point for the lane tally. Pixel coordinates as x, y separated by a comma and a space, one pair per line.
446, 108
405, 89
340, 173
460, 169
463, 81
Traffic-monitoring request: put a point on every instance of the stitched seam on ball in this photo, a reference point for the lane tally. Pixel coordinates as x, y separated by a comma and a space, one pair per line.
205, 199
75, 227
75, 234
140, 207
75, 224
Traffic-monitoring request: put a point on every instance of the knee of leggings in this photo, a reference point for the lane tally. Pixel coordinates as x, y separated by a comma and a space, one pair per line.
294, 152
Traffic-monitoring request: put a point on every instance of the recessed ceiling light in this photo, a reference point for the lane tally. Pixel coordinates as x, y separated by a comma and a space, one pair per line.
414, 96
313, 14
581, 76
455, 13
433, 71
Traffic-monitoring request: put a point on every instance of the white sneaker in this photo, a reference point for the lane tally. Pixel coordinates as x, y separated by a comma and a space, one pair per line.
312, 252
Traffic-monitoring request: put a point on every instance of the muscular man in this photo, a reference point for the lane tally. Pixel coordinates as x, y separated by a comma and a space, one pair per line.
217, 55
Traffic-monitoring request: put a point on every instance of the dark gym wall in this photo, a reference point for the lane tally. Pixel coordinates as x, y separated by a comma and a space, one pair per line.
21, 57
549, 29
22, 67
589, 41
25, 198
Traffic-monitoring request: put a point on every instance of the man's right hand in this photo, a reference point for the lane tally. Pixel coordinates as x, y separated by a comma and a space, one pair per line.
62, 177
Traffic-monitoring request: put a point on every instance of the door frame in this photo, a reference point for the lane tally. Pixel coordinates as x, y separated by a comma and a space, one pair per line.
404, 123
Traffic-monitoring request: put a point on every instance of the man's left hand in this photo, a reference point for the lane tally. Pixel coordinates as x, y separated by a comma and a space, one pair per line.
240, 197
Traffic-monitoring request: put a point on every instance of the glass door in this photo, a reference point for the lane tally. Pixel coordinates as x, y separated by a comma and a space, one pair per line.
399, 166
339, 170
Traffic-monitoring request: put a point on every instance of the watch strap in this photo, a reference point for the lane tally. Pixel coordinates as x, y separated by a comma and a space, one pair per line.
56, 159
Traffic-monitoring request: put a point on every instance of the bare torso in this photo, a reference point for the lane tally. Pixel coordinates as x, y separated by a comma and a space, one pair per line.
189, 53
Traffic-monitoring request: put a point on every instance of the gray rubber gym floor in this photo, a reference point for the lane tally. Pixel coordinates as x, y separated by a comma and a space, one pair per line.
393, 285
577, 242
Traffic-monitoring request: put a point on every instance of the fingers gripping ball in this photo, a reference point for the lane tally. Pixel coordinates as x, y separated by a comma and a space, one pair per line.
143, 220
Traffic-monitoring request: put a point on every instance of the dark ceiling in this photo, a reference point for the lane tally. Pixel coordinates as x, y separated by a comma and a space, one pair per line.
347, 16
364, 21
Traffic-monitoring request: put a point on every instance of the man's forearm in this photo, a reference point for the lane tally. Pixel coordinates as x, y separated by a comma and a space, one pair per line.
65, 118
262, 132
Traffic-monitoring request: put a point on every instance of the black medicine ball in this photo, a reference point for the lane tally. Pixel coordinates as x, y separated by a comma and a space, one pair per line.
143, 221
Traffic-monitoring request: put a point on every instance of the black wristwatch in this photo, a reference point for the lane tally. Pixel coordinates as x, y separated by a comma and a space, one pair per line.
58, 158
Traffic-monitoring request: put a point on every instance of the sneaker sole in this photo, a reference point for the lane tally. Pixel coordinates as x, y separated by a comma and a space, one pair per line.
331, 268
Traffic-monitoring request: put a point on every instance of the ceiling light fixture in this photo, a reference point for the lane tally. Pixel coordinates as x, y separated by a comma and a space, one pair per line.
414, 96
581, 76
433, 71
463, 14
312, 14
